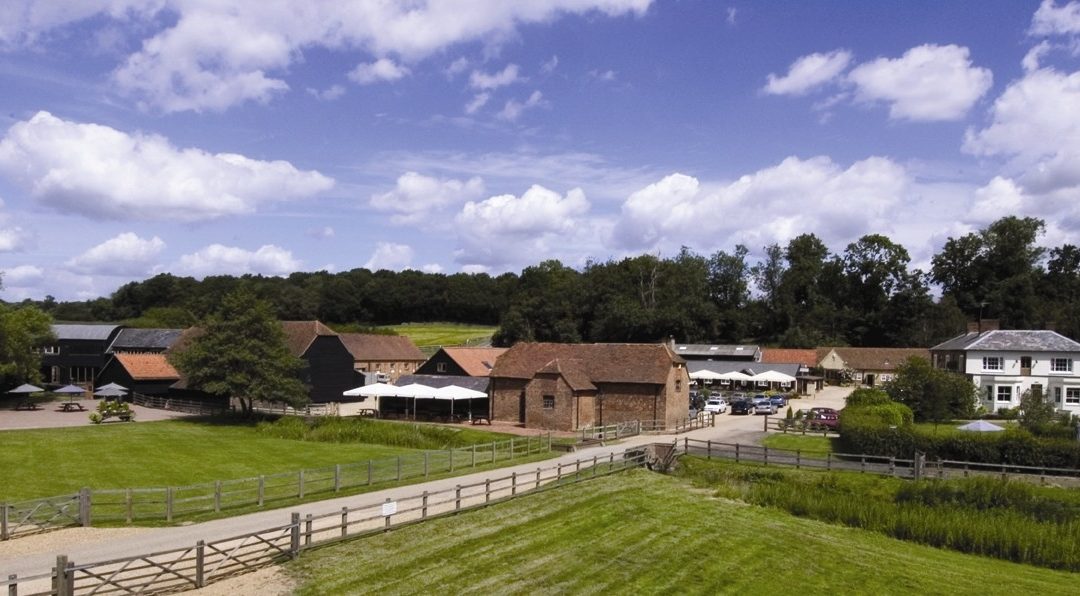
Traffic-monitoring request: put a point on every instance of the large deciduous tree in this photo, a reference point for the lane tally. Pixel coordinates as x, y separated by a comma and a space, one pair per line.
239, 352
932, 394
21, 330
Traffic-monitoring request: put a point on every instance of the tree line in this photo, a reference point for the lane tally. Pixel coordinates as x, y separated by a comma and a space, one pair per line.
800, 294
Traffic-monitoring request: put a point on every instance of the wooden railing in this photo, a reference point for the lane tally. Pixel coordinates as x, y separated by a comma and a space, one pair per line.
622, 430
203, 563
170, 503
177, 405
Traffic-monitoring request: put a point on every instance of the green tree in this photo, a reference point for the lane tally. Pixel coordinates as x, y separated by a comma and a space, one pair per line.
21, 330
932, 394
1036, 413
240, 353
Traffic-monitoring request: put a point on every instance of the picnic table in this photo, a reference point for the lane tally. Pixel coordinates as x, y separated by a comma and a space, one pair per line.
481, 419
72, 406
27, 404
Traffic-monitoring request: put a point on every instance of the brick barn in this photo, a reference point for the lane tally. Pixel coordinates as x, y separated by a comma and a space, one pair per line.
572, 386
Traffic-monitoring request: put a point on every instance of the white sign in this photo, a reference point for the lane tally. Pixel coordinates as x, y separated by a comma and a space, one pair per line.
389, 508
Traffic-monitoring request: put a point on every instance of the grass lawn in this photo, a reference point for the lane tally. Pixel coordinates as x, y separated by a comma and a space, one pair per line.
817, 445
443, 334
640, 532
47, 462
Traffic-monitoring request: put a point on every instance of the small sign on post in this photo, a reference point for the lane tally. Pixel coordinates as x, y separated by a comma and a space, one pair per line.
389, 508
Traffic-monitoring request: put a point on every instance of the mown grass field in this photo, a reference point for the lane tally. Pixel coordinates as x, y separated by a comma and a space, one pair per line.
46, 462
643, 533
427, 335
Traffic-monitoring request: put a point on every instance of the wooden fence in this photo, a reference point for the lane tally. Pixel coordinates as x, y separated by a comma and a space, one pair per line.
203, 563
170, 503
622, 430
914, 468
798, 426
177, 405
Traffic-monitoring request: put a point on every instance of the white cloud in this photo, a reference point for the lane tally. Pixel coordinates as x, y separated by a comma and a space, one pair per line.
514, 108
432, 268
23, 276
1000, 197
102, 172
770, 205
322, 233
214, 55
732, 12
603, 75
549, 66
329, 94
124, 255
457, 67
504, 228
14, 239
927, 83
1036, 123
217, 259
1051, 19
1034, 55
808, 73
483, 80
382, 69
478, 101
390, 256
416, 195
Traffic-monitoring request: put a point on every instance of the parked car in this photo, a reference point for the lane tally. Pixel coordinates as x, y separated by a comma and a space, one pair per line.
764, 406
716, 405
778, 400
742, 406
823, 418
738, 395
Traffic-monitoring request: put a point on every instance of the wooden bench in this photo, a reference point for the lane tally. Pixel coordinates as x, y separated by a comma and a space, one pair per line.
481, 420
26, 405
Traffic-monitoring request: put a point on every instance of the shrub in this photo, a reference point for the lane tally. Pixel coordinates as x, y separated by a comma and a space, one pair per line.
95, 418
866, 396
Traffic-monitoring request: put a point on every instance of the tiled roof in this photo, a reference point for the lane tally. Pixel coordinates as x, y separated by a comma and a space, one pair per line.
715, 351
84, 332
300, 334
147, 339
603, 363
476, 362
147, 367
1013, 341
369, 346
874, 358
474, 383
572, 370
780, 355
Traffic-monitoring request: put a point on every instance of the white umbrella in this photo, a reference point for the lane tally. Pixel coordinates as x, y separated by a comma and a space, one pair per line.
27, 388
109, 393
773, 376
706, 375
72, 389
454, 393
112, 387
736, 376
981, 426
373, 390
416, 391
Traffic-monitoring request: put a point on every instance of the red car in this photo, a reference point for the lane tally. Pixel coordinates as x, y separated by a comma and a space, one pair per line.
823, 417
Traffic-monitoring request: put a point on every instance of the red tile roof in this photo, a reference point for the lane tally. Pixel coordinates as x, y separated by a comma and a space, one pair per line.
370, 346
602, 363
476, 362
789, 356
874, 358
573, 371
147, 367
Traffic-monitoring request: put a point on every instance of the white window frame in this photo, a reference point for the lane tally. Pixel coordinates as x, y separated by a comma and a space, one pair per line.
998, 363
1074, 398
1067, 365
999, 390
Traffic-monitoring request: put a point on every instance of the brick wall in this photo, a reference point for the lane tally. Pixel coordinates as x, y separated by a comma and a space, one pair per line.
504, 398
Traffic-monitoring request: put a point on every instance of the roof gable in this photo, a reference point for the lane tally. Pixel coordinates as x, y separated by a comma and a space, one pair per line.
476, 362
370, 346
875, 358
299, 335
1023, 341
572, 371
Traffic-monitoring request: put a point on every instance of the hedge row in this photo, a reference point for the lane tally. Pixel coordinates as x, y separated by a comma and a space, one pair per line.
1013, 446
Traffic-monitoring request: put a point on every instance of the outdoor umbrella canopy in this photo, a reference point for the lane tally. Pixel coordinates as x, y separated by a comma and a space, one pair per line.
109, 393
454, 393
773, 376
111, 387
415, 391
373, 390
736, 376
72, 389
27, 388
980, 426
706, 375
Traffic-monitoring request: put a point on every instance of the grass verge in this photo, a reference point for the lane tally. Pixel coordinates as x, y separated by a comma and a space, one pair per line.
806, 443
443, 334
640, 532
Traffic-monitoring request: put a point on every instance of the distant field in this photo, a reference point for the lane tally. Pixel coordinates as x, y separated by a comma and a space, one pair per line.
643, 533
444, 334
46, 462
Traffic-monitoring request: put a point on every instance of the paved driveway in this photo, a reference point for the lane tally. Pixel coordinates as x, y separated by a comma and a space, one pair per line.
51, 416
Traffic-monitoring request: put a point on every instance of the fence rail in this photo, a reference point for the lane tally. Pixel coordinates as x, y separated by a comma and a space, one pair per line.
170, 503
798, 426
915, 468
177, 405
203, 563
622, 430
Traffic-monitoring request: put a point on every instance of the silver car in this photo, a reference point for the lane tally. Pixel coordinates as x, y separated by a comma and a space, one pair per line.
764, 406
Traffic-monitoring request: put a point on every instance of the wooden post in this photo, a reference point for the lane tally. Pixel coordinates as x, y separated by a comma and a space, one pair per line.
262, 490
423, 505
217, 496
457, 498
63, 579
344, 521
766, 429
685, 445
337, 477
798, 458
370, 465
307, 530
474, 455
513, 483
450, 454
493, 452
128, 506
399, 468
511, 447
13, 586
537, 477
558, 474
425, 464
766, 455
708, 451
168, 503
4, 521
300, 484
294, 535
736, 453
862, 465
892, 466
200, 564
594, 466
84, 507
828, 461
386, 523
487, 490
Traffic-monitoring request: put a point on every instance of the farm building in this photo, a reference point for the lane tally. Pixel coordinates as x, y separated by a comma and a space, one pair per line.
461, 361
390, 355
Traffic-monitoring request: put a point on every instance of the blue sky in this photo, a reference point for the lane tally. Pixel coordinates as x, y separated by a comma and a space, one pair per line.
203, 137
